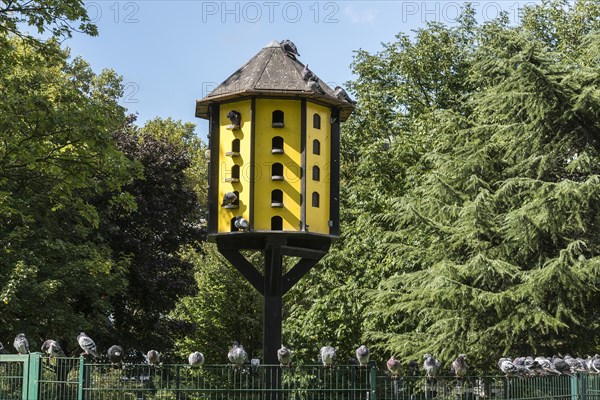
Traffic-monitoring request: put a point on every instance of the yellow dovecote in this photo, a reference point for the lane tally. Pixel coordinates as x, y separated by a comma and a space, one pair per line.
274, 173
282, 161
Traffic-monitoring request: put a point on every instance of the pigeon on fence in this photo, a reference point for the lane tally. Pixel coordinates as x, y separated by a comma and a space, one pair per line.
196, 359
459, 366
431, 365
52, 348
393, 365
237, 355
327, 354
115, 356
547, 366
561, 366
362, 355
284, 355
595, 364
21, 344
153, 357
87, 345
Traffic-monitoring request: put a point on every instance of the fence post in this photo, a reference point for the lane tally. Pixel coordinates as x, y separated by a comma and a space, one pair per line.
81, 378
33, 376
373, 394
574, 391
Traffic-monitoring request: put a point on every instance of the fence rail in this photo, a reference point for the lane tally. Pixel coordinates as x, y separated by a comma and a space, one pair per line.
34, 377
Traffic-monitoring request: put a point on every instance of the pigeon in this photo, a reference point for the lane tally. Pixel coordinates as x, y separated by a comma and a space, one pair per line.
153, 357
460, 366
341, 94
595, 364
21, 344
52, 348
547, 366
241, 223
284, 355
314, 86
573, 363
431, 365
506, 365
393, 366
229, 198
87, 345
307, 74
327, 354
196, 359
237, 355
2, 349
582, 364
115, 356
561, 366
235, 118
362, 355
289, 48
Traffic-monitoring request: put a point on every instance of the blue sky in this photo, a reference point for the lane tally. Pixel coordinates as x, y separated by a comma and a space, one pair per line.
171, 53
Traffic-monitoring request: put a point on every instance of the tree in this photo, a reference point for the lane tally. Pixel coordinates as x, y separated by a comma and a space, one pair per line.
496, 244
226, 308
148, 238
56, 153
56, 18
399, 90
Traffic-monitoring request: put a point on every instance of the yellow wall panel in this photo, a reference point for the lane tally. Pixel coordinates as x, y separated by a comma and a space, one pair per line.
226, 163
290, 159
317, 218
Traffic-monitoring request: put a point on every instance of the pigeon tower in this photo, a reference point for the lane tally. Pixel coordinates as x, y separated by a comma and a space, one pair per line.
274, 171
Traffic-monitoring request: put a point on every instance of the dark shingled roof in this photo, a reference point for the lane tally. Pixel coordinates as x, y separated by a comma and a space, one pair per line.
271, 72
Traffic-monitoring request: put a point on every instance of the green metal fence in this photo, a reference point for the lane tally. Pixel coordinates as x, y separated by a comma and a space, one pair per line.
34, 377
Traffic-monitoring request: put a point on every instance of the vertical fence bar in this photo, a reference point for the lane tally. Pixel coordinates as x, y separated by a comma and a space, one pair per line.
33, 376
373, 383
81, 378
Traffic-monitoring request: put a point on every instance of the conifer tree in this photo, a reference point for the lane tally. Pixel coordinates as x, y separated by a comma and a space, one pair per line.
497, 243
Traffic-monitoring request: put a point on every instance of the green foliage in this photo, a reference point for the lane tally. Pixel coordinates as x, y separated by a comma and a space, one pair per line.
496, 245
56, 154
226, 308
51, 17
149, 235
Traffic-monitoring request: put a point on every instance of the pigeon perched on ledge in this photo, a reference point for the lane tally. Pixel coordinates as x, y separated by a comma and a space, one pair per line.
21, 344
115, 356
153, 357
229, 198
393, 365
284, 355
327, 354
362, 355
87, 345
237, 355
52, 348
196, 359
459, 366
431, 365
